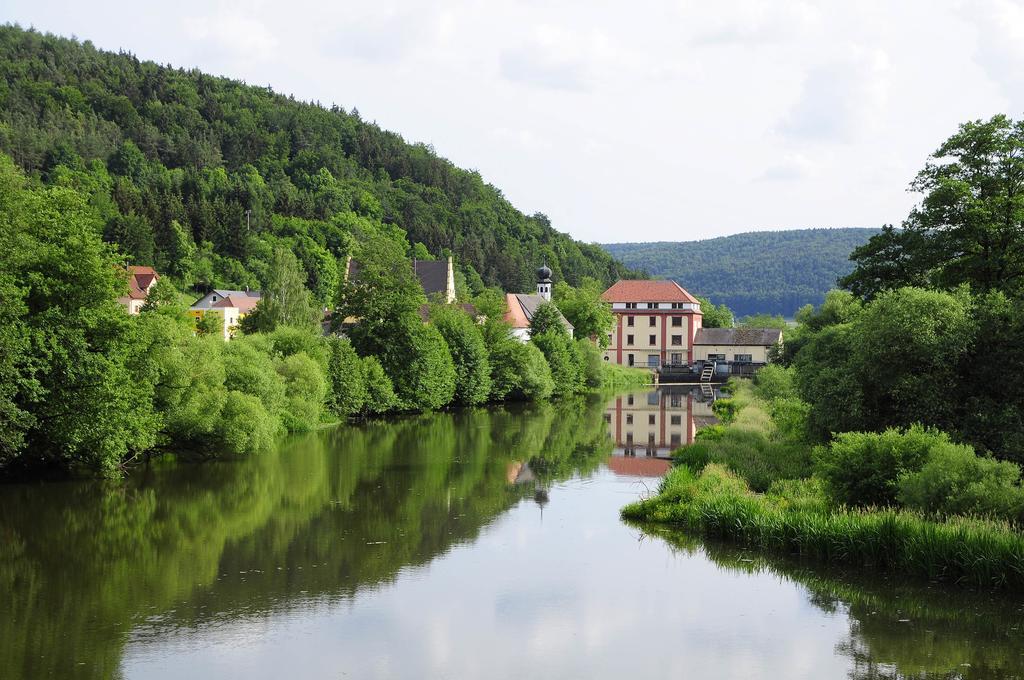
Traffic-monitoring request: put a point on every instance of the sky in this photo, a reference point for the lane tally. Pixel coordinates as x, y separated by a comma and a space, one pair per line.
621, 121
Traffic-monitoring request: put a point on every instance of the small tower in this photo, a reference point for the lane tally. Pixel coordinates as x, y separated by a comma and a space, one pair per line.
544, 282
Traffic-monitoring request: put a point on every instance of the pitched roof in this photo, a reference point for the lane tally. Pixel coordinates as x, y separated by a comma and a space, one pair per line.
432, 274
224, 292
762, 337
139, 280
522, 307
242, 303
647, 291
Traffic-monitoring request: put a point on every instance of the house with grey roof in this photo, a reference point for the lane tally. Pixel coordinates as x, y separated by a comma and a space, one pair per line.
750, 346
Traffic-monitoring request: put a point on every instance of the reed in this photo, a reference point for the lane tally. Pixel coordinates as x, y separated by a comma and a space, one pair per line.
718, 503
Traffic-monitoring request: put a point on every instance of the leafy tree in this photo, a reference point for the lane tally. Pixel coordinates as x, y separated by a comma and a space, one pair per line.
583, 307
348, 394
519, 371
70, 385
469, 354
285, 299
380, 394
564, 359
763, 321
210, 323
305, 391
491, 304
715, 316
547, 319
968, 227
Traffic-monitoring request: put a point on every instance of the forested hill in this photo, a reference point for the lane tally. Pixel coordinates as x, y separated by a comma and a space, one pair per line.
175, 159
774, 272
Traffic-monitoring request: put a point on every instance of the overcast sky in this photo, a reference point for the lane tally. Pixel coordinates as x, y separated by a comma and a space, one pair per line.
622, 121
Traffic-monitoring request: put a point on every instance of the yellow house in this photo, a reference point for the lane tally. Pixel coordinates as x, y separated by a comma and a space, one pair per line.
232, 305
736, 345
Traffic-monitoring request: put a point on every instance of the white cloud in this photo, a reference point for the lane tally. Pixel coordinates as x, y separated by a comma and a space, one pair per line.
233, 34
1000, 44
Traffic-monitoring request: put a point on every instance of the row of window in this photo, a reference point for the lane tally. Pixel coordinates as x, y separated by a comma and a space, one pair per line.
676, 340
675, 442
739, 358
658, 305
677, 321
675, 419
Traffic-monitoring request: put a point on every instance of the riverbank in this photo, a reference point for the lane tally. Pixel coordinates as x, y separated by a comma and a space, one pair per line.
752, 484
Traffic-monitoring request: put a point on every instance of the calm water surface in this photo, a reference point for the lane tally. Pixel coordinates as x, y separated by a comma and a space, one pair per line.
479, 544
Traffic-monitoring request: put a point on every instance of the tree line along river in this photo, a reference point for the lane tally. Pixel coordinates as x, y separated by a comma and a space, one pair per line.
474, 543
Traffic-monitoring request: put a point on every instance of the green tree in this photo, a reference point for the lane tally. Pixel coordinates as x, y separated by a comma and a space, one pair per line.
519, 371
469, 354
715, 316
348, 387
583, 307
211, 323
968, 227
547, 319
380, 393
285, 299
564, 359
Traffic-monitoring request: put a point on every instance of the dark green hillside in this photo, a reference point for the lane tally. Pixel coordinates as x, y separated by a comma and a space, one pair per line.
773, 272
176, 159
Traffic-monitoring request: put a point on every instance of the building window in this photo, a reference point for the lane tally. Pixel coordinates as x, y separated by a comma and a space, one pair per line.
629, 321
629, 362
651, 339
650, 439
609, 338
653, 321
608, 417
630, 305
675, 400
677, 419
629, 419
677, 358
650, 419
653, 360
629, 398
743, 358
652, 305
716, 357
677, 321
629, 438
677, 441
677, 340
629, 339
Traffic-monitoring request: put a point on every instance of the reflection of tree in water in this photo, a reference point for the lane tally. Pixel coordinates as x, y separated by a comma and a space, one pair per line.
897, 629
84, 564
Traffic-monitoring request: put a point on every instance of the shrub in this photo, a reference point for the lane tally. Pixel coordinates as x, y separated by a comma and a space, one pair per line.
800, 494
519, 371
789, 415
590, 362
774, 382
348, 391
862, 468
244, 425
564, 360
249, 371
956, 481
380, 394
419, 364
469, 355
305, 390
726, 410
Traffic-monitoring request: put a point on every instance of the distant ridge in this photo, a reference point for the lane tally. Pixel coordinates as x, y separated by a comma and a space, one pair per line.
773, 272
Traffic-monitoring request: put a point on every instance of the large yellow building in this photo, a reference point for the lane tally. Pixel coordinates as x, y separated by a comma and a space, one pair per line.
655, 323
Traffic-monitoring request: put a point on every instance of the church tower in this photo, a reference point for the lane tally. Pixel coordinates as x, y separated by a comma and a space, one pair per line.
544, 282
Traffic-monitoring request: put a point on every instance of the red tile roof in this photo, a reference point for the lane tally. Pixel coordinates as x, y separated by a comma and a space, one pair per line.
647, 291
516, 315
241, 302
139, 280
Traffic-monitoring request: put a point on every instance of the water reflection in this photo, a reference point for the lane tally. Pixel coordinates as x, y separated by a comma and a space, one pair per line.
480, 543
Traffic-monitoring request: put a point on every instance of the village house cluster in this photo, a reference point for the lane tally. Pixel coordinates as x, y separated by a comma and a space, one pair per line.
658, 324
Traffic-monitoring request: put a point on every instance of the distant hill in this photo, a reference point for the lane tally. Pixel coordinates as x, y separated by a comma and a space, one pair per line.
774, 272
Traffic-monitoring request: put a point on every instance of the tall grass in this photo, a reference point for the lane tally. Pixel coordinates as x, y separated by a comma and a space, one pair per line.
720, 504
616, 377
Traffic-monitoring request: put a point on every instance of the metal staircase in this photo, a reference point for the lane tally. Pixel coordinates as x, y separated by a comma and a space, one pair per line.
707, 372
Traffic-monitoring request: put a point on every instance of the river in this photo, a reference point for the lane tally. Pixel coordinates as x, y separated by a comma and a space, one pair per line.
475, 544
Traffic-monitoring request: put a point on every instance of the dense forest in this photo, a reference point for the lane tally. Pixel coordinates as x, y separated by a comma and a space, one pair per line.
202, 177
768, 272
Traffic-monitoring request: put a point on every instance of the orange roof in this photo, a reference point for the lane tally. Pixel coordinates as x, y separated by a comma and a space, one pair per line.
647, 291
240, 302
629, 466
516, 315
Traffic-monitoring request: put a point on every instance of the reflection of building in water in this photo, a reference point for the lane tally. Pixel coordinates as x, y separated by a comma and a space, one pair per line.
656, 423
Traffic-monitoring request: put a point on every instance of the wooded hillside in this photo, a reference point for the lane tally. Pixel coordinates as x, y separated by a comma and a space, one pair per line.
772, 272
203, 176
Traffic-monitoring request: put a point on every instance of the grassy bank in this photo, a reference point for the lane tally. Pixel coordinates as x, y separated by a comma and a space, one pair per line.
710, 493
614, 377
